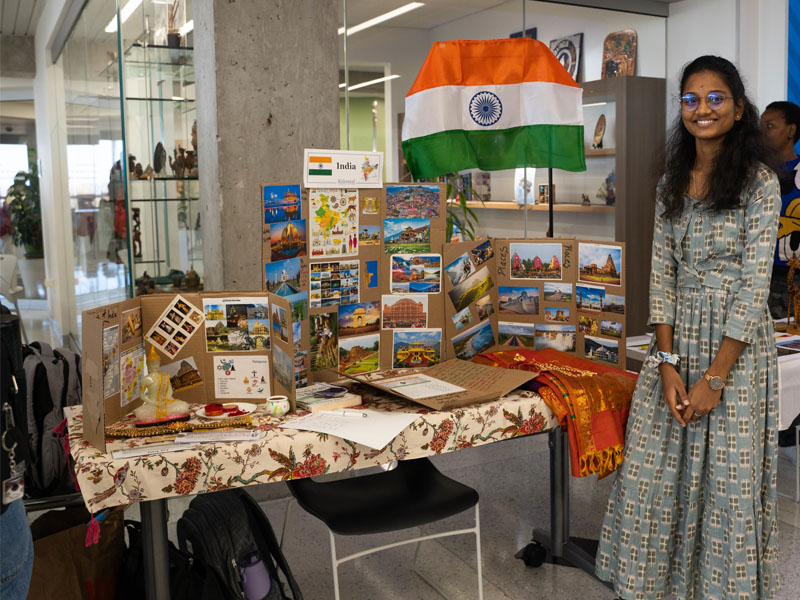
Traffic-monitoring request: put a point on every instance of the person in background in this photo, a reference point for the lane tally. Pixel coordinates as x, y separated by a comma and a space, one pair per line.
781, 122
693, 511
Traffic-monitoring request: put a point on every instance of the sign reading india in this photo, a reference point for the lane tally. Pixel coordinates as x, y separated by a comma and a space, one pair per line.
342, 169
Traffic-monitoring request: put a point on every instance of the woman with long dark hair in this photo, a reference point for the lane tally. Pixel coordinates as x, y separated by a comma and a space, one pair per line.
693, 510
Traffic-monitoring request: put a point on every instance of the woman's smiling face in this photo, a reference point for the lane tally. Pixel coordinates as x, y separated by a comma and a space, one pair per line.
705, 123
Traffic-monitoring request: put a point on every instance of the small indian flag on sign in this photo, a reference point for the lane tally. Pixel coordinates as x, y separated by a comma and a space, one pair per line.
320, 165
491, 105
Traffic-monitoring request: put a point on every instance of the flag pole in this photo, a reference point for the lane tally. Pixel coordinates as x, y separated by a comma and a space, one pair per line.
525, 168
346, 84
550, 199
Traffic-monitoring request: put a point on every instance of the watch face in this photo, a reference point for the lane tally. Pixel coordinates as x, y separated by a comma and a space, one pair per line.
716, 383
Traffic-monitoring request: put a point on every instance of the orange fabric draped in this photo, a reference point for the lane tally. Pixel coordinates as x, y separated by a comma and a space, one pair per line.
590, 400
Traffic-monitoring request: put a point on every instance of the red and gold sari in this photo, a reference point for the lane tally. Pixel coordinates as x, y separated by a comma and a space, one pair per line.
590, 400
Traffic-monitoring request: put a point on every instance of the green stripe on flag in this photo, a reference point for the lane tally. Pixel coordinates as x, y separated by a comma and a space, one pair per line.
320, 172
556, 146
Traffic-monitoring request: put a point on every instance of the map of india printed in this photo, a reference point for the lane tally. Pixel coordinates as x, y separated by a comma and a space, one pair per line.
333, 219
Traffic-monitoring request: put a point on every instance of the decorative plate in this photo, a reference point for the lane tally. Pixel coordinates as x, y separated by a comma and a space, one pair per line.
246, 407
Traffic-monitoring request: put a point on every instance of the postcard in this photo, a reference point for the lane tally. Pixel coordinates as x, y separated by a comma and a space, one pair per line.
175, 326
175, 317
418, 348
557, 337
518, 300
282, 367
458, 270
416, 273
110, 361
611, 328
464, 318
472, 341
485, 307
418, 201
324, 341
516, 334
359, 319
556, 314
557, 292
131, 325
300, 368
287, 239
614, 304
588, 325
601, 350
404, 311
281, 203
369, 204
283, 277
470, 289
359, 354
369, 235
539, 260
183, 374
333, 222
600, 263
333, 283
131, 365
280, 323
589, 298
480, 254
406, 236
245, 377
371, 269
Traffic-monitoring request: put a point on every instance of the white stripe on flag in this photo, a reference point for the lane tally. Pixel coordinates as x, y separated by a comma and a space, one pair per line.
446, 108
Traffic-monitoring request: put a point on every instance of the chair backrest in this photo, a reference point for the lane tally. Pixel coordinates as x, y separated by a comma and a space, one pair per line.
8, 273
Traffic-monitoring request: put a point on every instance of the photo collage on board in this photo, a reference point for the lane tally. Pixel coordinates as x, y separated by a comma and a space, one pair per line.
364, 259
471, 298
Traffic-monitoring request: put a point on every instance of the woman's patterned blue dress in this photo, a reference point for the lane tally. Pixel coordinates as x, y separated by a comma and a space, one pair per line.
693, 510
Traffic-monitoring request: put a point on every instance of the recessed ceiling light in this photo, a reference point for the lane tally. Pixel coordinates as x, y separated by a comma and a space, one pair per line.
370, 82
381, 18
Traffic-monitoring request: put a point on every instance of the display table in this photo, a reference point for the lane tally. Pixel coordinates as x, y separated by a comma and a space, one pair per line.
287, 453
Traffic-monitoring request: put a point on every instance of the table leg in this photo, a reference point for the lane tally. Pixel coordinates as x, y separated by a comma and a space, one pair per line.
155, 549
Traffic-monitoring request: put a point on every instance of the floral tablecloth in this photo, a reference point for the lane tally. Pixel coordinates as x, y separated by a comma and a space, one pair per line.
289, 453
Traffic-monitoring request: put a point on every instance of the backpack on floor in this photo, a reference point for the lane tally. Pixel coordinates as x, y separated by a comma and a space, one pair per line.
229, 534
53, 380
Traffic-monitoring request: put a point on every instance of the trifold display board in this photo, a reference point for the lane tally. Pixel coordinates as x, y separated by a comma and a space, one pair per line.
214, 346
369, 263
564, 294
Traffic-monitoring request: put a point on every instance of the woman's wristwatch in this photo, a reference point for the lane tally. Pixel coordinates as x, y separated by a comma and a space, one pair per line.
715, 382
660, 357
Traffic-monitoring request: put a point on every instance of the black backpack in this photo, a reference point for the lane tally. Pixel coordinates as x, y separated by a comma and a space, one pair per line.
53, 382
221, 530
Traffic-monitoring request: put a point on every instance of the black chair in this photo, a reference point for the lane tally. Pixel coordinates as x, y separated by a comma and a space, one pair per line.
412, 494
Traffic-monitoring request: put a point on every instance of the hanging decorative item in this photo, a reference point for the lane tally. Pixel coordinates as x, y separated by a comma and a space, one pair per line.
159, 160
619, 54
568, 52
503, 121
599, 132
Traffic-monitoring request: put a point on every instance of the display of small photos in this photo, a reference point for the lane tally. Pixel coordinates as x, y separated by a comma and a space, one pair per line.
236, 324
283, 277
287, 239
589, 298
480, 254
601, 350
369, 235
464, 318
539, 260
458, 270
416, 348
600, 263
416, 201
416, 274
333, 222
281, 203
472, 341
369, 205
406, 236
470, 289
176, 325
518, 300
359, 354
131, 325
403, 311
359, 319
557, 337
324, 341
516, 334
110, 361
333, 283
485, 308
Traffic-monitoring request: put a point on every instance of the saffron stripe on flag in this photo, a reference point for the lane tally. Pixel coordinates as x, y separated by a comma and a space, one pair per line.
320, 159
320, 172
557, 146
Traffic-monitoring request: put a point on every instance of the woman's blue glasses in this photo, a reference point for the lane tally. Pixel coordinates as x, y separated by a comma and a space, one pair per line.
714, 101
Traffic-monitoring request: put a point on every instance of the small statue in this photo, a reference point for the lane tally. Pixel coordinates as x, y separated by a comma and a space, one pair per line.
149, 173
189, 161
192, 280
139, 171
179, 165
145, 285
194, 136
131, 163
159, 405
794, 297
585, 200
136, 219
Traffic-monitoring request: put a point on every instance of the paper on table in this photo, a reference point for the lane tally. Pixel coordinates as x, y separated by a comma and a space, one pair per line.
150, 450
420, 386
376, 430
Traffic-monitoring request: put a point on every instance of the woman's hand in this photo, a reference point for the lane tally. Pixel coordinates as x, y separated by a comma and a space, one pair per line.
702, 400
674, 391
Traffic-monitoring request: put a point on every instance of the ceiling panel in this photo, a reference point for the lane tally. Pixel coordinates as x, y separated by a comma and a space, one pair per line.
19, 17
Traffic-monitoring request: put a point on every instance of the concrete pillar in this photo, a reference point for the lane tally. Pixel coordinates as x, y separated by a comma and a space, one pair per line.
267, 87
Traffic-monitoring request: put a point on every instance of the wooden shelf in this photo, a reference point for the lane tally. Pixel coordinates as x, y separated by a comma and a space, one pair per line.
576, 208
600, 152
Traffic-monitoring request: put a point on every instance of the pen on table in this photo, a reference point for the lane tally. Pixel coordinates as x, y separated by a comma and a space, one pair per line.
348, 413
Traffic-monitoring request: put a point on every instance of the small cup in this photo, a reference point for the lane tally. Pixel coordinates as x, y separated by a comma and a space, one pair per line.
277, 406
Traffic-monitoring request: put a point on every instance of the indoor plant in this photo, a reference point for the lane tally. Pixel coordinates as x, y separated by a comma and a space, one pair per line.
24, 205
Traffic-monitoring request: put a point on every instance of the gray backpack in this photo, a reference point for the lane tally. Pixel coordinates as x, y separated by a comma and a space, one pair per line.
53, 380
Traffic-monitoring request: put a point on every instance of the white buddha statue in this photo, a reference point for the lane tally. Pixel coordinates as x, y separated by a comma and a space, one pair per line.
156, 391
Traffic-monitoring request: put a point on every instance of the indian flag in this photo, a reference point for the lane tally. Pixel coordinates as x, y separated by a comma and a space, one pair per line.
496, 104
320, 165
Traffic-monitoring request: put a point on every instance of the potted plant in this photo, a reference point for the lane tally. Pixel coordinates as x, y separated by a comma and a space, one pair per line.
24, 205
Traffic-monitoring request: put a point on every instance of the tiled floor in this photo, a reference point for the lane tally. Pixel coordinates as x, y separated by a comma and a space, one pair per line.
513, 481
